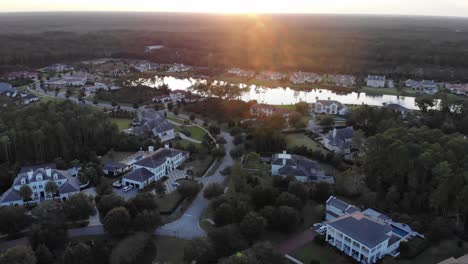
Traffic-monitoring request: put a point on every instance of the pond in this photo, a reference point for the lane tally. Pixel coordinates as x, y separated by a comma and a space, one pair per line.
287, 96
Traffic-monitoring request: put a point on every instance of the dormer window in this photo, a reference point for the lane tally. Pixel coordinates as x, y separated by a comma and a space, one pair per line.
23, 181
55, 176
39, 177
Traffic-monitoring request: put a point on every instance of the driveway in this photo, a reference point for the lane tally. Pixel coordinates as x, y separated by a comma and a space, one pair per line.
173, 177
187, 226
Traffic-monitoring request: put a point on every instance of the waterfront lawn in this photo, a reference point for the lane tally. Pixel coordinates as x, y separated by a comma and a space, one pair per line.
388, 91
298, 140
122, 123
195, 132
324, 254
287, 107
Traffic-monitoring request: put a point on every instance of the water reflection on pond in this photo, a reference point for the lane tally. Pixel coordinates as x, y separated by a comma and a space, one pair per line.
286, 96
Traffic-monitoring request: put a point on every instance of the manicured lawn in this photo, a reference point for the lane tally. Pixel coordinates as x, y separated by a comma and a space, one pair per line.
388, 91
297, 140
122, 123
168, 202
324, 254
170, 249
195, 132
179, 121
287, 107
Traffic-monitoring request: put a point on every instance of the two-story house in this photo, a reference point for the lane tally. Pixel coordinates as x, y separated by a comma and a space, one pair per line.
376, 81
154, 167
149, 122
37, 177
339, 140
330, 107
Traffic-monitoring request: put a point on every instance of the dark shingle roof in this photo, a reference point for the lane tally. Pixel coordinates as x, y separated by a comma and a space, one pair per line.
68, 188
35, 167
10, 195
362, 229
113, 166
158, 158
337, 203
139, 175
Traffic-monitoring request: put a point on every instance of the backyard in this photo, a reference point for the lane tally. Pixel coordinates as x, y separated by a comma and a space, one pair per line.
324, 254
194, 132
122, 123
298, 140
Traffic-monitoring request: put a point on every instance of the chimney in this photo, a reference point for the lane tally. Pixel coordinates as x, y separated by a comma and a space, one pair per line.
151, 149
30, 174
48, 171
334, 132
166, 146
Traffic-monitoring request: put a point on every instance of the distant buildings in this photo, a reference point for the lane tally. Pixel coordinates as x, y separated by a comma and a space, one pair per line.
147, 66
343, 80
367, 236
303, 169
426, 86
305, 77
149, 122
330, 107
7, 90
264, 110
271, 76
58, 67
154, 167
339, 140
241, 73
179, 68
22, 75
153, 47
37, 177
376, 81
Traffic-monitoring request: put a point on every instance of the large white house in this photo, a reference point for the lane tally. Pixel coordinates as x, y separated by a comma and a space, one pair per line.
154, 167
367, 235
376, 81
37, 177
330, 107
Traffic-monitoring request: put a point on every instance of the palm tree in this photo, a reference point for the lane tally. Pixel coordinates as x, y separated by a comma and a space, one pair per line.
52, 188
25, 192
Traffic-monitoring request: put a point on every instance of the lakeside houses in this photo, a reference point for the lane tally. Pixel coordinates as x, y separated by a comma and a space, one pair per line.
163, 98
183, 96
329, 107
426, 86
398, 108
27, 98
37, 177
7, 90
264, 110
58, 67
343, 80
114, 169
147, 66
153, 47
155, 166
305, 77
367, 236
150, 122
303, 169
376, 81
241, 73
271, 76
459, 89
339, 140
22, 75
179, 68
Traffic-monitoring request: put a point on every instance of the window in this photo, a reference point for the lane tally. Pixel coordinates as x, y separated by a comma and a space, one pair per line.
55, 176
34, 187
23, 181
40, 186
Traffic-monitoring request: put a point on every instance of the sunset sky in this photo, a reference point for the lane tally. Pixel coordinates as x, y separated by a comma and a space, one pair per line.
404, 7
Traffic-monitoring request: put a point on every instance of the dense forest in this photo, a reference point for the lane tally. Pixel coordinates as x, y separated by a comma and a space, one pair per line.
49, 131
408, 47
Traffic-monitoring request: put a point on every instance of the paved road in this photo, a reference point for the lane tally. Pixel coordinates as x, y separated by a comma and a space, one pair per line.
187, 226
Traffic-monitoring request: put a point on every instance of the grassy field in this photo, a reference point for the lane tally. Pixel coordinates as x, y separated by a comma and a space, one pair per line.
170, 250
325, 254
122, 123
297, 140
195, 132
179, 121
388, 91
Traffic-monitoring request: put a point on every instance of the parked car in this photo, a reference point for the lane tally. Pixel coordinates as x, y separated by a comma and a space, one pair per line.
117, 184
127, 188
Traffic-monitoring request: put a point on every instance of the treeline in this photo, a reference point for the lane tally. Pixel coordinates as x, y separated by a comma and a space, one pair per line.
129, 95
47, 131
346, 45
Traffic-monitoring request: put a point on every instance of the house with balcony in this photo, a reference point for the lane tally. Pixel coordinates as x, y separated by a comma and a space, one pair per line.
329, 107
302, 168
367, 235
37, 177
155, 166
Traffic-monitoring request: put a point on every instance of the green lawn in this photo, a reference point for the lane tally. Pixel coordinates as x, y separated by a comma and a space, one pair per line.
324, 254
170, 249
195, 131
388, 91
178, 120
122, 123
297, 140
287, 107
